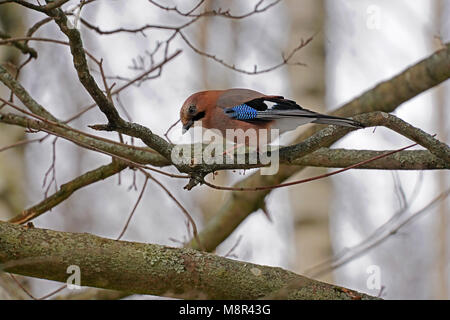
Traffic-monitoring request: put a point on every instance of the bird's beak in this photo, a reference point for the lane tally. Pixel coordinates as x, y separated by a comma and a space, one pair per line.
187, 126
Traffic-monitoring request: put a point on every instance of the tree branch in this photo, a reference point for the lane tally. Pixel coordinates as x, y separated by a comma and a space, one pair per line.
331, 134
150, 268
67, 189
110, 147
45, 8
341, 158
9, 81
23, 47
53, 4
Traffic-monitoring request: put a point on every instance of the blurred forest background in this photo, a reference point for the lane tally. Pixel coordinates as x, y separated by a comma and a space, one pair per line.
356, 44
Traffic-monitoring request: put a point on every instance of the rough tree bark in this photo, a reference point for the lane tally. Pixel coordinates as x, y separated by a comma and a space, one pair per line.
151, 269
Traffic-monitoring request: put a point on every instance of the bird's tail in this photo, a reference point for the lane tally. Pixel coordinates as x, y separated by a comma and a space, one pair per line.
324, 119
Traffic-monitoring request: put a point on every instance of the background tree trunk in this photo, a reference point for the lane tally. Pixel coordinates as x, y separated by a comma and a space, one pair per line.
12, 163
310, 201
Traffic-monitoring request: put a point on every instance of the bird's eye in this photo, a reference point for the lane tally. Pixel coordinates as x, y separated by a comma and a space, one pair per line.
192, 109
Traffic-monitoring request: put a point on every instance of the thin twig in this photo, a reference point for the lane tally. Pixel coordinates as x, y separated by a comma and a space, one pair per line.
12, 40
407, 221
230, 252
255, 71
170, 128
118, 90
134, 209
183, 209
22, 142
28, 293
52, 170
356, 250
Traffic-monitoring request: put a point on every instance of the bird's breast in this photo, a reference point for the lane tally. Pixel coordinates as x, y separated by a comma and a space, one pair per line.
221, 122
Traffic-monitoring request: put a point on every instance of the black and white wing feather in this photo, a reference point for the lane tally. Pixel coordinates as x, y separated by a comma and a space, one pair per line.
286, 114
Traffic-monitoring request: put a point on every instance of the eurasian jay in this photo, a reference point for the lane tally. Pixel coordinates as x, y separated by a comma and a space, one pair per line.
248, 109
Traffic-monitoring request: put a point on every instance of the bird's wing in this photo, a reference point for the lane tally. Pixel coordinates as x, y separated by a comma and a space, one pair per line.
249, 105
235, 97
268, 108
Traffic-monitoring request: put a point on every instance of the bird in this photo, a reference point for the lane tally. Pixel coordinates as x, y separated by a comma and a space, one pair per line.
245, 109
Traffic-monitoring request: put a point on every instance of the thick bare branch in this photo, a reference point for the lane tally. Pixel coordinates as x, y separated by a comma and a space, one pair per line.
135, 154
145, 155
331, 134
325, 175
404, 160
288, 155
150, 268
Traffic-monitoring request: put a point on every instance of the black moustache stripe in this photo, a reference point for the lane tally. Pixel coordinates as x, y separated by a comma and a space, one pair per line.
198, 116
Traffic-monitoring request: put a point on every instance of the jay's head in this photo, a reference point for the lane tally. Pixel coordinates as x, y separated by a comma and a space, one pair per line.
194, 109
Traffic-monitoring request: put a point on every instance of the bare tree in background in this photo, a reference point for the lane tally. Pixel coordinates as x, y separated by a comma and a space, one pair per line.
311, 202
191, 271
12, 198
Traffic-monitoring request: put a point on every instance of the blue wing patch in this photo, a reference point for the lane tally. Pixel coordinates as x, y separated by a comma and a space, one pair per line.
242, 112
